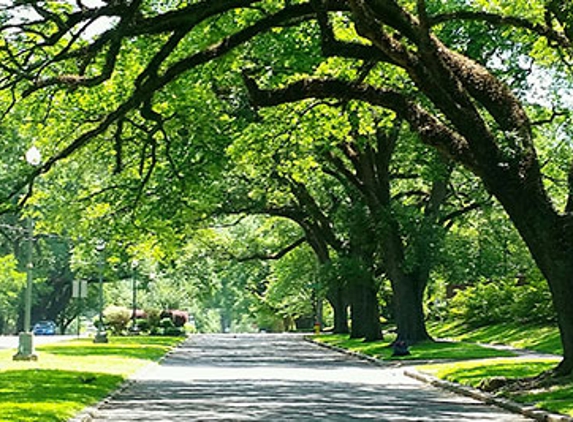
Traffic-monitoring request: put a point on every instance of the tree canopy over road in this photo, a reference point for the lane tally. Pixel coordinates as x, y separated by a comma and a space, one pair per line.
157, 114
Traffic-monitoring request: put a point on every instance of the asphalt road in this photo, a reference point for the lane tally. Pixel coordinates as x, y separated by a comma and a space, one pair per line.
282, 378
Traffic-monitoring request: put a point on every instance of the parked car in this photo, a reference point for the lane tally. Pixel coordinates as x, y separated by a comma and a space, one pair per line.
44, 328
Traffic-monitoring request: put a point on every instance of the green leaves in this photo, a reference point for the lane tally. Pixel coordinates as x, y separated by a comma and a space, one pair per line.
11, 283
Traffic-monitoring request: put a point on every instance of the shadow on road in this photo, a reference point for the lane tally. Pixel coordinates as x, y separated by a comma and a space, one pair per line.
283, 378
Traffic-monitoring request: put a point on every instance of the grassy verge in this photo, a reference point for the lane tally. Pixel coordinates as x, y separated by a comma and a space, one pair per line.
468, 363
533, 337
443, 350
555, 397
472, 373
72, 375
551, 396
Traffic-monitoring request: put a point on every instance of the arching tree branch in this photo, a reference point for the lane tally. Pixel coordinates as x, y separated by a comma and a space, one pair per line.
274, 256
430, 128
552, 35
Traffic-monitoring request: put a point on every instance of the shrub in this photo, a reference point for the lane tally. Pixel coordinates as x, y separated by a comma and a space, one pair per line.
533, 303
168, 328
179, 318
117, 318
140, 314
142, 324
490, 302
166, 323
153, 318
174, 331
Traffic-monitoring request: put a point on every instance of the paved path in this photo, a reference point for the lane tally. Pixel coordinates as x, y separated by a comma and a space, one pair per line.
282, 378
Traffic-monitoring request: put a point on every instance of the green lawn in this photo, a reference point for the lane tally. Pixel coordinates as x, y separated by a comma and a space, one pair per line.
72, 375
556, 397
443, 350
472, 372
533, 337
468, 363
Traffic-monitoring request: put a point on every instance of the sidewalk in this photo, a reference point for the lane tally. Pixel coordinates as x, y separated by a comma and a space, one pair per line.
524, 353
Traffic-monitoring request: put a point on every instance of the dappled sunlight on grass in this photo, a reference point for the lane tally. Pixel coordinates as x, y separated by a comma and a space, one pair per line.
472, 372
471, 365
534, 337
71, 375
151, 349
556, 398
422, 351
455, 350
47, 395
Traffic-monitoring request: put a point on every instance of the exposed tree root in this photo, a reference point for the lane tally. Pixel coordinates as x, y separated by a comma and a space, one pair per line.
544, 380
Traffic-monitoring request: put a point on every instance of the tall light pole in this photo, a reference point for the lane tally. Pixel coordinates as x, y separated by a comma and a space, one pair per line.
101, 335
26, 338
134, 265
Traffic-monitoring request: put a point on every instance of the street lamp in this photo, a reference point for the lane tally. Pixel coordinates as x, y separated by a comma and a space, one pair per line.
26, 338
101, 335
134, 265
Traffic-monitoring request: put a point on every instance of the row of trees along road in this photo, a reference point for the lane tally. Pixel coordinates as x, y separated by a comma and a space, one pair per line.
137, 106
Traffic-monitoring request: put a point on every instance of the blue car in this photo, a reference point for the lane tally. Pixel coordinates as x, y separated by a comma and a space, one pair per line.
44, 328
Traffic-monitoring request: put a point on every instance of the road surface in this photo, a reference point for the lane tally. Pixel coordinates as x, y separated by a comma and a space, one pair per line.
282, 378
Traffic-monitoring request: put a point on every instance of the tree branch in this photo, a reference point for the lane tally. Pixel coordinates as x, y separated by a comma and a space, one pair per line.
498, 20
447, 219
145, 91
430, 128
569, 206
275, 256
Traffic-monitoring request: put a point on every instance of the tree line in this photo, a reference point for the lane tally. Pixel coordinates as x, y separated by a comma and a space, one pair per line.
314, 112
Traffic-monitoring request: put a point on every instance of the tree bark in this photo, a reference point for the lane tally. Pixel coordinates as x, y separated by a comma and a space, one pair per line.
562, 290
339, 303
409, 312
357, 314
553, 252
475, 108
549, 237
365, 311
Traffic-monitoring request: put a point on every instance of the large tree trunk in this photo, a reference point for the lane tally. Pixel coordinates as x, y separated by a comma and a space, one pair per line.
549, 237
339, 303
373, 329
365, 311
562, 290
357, 316
409, 312
554, 256
407, 287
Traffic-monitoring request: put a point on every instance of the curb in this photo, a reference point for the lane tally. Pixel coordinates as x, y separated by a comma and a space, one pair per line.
487, 398
361, 356
526, 410
89, 413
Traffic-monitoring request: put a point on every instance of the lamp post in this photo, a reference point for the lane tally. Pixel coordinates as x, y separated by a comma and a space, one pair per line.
133, 328
26, 338
101, 335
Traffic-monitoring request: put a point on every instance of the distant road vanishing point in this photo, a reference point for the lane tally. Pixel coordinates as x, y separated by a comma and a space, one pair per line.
268, 377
